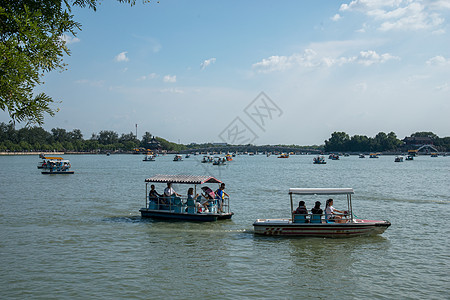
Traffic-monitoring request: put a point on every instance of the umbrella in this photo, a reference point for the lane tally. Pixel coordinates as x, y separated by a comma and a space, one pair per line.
209, 191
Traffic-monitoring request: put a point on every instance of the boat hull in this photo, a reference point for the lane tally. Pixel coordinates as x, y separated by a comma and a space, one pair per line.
57, 172
284, 227
170, 215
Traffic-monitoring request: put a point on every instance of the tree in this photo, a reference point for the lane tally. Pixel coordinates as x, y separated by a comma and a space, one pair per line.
106, 137
60, 135
146, 138
31, 44
338, 142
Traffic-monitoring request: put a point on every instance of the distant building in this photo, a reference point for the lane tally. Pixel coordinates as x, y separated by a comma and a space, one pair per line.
154, 145
219, 144
417, 141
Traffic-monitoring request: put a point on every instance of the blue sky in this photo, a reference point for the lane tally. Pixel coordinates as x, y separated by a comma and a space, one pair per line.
187, 70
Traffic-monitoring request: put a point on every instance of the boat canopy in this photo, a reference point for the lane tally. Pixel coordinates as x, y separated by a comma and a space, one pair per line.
185, 179
323, 191
52, 157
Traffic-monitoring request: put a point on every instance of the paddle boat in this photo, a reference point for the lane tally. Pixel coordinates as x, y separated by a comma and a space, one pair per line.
149, 157
398, 159
373, 155
207, 159
45, 163
362, 156
434, 154
283, 155
229, 157
57, 166
320, 225
218, 161
177, 158
333, 156
409, 157
319, 160
202, 208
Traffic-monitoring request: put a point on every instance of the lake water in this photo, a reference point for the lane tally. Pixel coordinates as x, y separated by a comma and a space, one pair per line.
81, 236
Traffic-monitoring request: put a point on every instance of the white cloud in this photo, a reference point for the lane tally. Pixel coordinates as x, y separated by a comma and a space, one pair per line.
438, 61
148, 77
370, 57
122, 56
443, 88
69, 39
207, 62
311, 59
172, 91
93, 83
170, 79
400, 14
336, 17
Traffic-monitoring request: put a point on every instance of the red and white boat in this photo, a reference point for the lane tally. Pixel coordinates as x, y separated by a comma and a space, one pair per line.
319, 225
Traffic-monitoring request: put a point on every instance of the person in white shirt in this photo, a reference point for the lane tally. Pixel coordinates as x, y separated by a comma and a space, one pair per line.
330, 212
169, 191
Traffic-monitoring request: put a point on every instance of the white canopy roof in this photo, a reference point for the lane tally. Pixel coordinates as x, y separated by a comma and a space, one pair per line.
321, 191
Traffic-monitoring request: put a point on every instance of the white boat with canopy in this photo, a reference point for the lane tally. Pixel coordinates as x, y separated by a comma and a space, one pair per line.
320, 224
184, 208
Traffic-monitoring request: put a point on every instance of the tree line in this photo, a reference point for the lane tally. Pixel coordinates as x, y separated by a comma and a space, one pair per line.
342, 142
58, 139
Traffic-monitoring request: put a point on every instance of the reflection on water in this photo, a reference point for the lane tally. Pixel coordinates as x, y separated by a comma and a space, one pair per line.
81, 236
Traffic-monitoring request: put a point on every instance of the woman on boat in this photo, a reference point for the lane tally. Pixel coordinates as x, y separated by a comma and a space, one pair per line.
192, 199
317, 213
330, 212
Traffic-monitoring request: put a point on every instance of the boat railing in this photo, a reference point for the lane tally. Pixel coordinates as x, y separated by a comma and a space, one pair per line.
317, 218
189, 205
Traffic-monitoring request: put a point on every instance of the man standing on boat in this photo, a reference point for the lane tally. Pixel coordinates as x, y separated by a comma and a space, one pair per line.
221, 196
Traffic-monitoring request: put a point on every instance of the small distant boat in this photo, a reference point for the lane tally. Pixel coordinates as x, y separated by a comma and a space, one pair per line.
149, 157
319, 160
268, 154
219, 161
409, 157
207, 159
283, 155
57, 166
346, 154
45, 163
362, 156
373, 155
187, 155
177, 158
434, 154
229, 157
333, 156
398, 159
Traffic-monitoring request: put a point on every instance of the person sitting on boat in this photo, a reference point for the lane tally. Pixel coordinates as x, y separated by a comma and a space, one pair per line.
169, 191
330, 212
190, 196
153, 194
316, 212
209, 196
220, 195
301, 210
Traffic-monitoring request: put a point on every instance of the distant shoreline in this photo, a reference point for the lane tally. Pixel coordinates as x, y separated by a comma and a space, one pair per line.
184, 151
